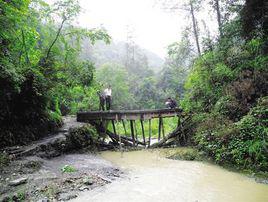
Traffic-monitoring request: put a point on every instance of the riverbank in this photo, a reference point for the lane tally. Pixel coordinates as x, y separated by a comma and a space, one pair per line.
56, 168
192, 154
57, 179
46, 170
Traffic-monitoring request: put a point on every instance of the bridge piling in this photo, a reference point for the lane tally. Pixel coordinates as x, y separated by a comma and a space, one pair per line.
142, 129
135, 128
101, 118
159, 128
132, 132
150, 132
124, 126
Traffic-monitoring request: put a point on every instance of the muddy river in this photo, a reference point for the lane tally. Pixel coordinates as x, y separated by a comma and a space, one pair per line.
151, 177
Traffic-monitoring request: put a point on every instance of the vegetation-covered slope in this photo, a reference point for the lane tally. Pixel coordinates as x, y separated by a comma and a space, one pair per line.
227, 92
41, 75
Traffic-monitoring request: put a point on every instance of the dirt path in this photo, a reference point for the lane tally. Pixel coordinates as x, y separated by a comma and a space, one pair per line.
36, 173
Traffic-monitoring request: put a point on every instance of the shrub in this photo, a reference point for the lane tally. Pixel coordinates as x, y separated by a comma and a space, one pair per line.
244, 144
4, 160
68, 169
83, 137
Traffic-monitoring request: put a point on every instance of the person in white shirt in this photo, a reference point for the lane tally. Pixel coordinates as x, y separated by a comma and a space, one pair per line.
108, 97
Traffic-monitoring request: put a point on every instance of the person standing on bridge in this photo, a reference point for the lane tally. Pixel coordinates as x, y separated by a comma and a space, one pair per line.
108, 97
170, 103
101, 100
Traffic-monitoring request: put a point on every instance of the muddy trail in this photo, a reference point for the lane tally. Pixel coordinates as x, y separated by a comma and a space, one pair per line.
41, 171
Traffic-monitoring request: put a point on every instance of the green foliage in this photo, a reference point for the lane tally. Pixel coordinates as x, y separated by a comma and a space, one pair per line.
226, 91
4, 160
68, 169
117, 77
41, 74
186, 154
83, 137
169, 125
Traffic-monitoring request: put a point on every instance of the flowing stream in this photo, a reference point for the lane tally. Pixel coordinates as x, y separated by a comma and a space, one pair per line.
151, 177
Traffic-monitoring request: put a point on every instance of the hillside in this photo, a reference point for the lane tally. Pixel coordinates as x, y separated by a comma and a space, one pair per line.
115, 52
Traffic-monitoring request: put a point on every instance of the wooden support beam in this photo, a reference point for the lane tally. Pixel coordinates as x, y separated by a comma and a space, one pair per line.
132, 132
142, 129
124, 126
179, 120
150, 132
135, 128
163, 129
114, 127
159, 128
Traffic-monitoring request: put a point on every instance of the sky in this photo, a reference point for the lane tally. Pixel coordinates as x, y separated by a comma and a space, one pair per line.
152, 27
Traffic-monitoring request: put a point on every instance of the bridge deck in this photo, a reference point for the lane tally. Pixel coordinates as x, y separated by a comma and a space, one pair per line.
126, 114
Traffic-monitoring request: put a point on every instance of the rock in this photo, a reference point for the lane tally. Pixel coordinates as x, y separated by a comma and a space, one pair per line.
115, 175
88, 181
106, 179
44, 200
19, 181
67, 196
83, 188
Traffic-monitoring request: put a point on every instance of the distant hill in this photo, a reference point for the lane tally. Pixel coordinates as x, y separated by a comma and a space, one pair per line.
115, 52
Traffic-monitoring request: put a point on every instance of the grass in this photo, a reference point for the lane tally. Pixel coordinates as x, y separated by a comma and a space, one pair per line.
169, 125
183, 153
68, 169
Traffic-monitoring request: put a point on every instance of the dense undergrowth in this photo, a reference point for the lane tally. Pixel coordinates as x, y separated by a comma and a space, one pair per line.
227, 93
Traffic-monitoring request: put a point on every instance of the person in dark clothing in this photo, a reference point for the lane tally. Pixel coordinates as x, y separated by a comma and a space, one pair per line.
170, 103
101, 100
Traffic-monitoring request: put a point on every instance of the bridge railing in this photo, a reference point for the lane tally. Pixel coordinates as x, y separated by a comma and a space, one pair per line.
126, 114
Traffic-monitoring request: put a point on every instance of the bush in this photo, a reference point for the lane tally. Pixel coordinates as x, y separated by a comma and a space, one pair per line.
244, 144
4, 160
23, 102
83, 137
68, 169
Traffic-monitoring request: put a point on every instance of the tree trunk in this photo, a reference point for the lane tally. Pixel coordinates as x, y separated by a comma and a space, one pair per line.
195, 28
56, 38
25, 47
217, 8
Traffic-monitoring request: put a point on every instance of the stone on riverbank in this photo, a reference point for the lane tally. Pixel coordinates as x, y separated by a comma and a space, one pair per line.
19, 181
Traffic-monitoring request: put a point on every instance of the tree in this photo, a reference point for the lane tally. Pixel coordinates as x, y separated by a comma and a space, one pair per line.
191, 7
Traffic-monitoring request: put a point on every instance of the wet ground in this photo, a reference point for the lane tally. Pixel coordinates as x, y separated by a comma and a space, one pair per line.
61, 177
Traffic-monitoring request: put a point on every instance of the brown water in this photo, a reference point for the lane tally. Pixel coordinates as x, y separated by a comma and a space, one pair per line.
151, 177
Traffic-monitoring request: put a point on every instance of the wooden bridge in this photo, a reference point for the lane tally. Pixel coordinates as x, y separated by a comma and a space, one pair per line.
100, 120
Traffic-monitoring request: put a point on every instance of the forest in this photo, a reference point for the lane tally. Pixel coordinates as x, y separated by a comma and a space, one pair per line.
50, 67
